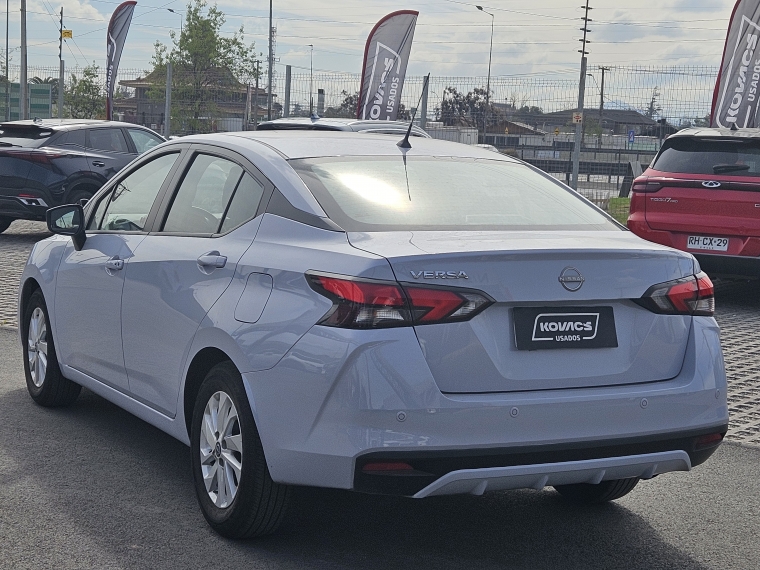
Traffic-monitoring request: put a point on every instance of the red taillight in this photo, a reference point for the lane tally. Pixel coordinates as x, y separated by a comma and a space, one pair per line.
646, 184
40, 156
693, 295
362, 304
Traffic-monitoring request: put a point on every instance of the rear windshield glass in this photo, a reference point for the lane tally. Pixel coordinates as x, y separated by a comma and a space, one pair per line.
24, 137
703, 156
386, 194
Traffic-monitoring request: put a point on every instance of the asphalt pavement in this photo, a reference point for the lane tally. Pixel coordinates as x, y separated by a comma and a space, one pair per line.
91, 486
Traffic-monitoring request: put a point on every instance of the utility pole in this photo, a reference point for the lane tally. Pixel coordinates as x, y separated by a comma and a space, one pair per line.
60, 70
581, 97
271, 64
22, 98
256, 98
601, 105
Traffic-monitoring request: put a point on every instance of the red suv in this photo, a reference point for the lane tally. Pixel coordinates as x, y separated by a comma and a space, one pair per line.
701, 194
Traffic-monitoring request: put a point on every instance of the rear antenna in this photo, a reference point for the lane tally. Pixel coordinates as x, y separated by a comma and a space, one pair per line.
404, 143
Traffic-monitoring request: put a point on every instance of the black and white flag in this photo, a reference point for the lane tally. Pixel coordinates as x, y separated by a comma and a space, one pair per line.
117, 35
385, 59
735, 101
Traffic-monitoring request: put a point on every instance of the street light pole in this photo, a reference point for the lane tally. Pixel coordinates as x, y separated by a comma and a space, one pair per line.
181, 22
311, 80
488, 84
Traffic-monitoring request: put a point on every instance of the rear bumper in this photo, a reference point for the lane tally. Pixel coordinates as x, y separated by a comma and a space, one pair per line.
473, 471
341, 399
23, 208
714, 264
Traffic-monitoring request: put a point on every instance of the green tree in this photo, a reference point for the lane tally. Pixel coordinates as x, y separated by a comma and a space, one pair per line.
347, 108
85, 96
468, 109
208, 68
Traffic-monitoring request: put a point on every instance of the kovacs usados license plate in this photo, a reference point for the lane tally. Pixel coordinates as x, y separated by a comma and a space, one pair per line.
541, 328
707, 243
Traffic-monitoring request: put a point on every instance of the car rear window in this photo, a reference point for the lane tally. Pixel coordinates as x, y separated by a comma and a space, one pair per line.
709, 156
421, 193
24, 137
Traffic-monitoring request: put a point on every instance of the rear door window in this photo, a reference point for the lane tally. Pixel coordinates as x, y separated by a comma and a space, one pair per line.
202, 198
144, 141
72, 139
244, 204
712, 157
108, 140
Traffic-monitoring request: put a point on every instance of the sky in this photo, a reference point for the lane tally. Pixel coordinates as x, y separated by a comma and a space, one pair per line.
451, 39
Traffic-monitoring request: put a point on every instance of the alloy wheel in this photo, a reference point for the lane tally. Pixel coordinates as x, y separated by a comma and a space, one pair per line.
221, 449
37, 347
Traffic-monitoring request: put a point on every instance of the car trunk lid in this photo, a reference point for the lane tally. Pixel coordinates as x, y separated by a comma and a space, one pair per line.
522, 270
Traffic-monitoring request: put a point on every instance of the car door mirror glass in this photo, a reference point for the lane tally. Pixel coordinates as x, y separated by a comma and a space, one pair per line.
67, 220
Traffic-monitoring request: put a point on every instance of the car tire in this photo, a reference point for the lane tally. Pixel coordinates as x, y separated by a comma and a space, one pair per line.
588, 494
235, 491
44, 380
80, 194
5, 223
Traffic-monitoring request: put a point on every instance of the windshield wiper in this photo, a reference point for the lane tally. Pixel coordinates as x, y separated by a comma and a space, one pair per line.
8, 144
723, 168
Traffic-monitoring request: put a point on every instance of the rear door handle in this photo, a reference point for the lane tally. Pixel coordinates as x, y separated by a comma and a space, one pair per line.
98, 163
212, 260
115, 264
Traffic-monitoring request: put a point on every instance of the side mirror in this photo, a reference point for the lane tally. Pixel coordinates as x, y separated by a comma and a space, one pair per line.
68, 221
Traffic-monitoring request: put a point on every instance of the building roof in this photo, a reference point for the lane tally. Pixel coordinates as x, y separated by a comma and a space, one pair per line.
621, 116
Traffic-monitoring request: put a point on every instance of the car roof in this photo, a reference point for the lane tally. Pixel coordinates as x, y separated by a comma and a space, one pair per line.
717, 132
338, 124
314, 144
64, 124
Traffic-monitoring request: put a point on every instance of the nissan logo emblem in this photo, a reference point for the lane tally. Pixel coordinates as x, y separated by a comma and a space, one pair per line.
571, 279
711, 184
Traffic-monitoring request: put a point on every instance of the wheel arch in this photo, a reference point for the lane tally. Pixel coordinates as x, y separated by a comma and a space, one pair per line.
83, 184
27, 289
200, 365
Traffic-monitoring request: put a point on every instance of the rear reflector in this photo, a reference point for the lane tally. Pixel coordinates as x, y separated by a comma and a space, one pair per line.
386, 467
694, 295
365, 304
710, 440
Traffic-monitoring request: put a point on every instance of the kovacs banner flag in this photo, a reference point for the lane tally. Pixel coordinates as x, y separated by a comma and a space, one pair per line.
117, 35
385, 58
735, 101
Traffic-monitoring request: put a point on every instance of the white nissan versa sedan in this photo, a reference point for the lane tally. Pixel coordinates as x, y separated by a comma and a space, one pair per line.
336, 310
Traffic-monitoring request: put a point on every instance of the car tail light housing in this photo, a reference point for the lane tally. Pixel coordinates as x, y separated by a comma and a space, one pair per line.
370, 304
693, 295
646, 185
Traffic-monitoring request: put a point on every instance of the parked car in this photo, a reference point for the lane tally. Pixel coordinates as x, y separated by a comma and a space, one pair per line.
700, 195
45, 163
332, 310
339, 124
